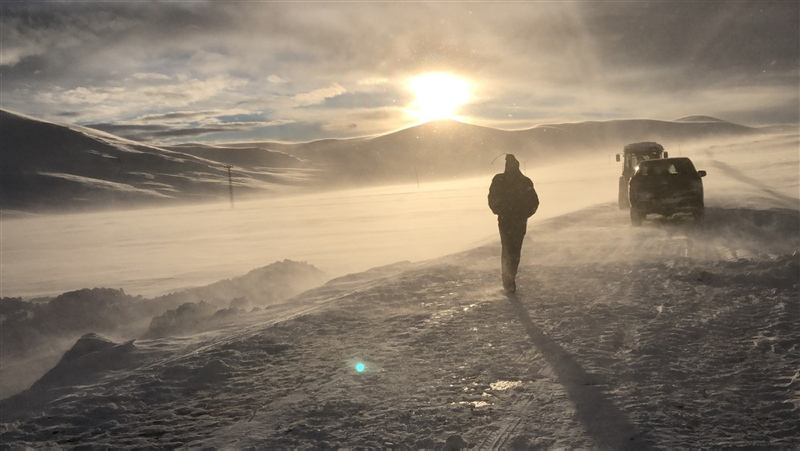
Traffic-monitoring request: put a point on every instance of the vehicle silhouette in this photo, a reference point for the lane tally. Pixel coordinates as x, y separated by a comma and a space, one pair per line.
666, 187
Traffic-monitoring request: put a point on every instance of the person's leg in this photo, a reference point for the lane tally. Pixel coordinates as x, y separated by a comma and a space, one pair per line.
515, 251
505, 259
512, 233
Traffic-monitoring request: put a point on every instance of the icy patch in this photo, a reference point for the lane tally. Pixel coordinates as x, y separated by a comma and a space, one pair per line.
505, 385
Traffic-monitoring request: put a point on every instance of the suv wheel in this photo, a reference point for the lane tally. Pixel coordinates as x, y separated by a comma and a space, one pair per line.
699, 215
622, 197
637, 217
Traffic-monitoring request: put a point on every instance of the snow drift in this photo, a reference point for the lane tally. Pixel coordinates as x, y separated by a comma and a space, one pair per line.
33, 334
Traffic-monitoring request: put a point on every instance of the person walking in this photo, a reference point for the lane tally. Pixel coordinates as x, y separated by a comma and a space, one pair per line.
513, 199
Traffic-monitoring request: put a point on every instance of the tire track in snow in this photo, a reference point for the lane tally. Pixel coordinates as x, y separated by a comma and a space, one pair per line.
500, 438
674, 282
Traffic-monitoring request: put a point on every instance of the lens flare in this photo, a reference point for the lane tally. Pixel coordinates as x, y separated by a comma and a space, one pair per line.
360, 367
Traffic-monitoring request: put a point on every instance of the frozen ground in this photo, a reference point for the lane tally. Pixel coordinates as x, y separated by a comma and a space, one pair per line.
668, 335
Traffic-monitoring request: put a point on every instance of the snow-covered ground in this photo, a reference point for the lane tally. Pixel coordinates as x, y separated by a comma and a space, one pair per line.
669, 335
153, 251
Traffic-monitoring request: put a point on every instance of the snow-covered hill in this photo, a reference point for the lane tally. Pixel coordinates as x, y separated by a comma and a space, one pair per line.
243, 157
66, 167
447, 149
47, 166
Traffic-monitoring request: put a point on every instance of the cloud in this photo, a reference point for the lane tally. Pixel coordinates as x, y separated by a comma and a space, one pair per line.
339, 127
186, 91
319, 95
166, 133
111, 102
10, 56
320, 65
373, 81
274, 79
68, 114
179, 116
76, 96
149, 76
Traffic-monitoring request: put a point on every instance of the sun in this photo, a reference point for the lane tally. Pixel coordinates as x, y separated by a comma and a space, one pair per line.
437, 95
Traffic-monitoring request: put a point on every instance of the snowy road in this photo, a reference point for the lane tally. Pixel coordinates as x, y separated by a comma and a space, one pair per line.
665, 335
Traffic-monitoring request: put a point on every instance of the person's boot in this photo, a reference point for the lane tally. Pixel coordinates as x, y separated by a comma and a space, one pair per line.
509, 284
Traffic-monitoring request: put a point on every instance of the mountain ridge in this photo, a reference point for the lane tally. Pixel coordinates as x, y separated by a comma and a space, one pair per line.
49, 166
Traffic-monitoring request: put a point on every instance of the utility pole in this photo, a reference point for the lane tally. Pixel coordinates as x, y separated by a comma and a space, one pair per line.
230, 183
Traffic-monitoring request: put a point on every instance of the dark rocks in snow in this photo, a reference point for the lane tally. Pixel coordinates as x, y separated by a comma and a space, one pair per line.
228, 313
240, 303
38, 332
28, 326
455, 442
190, 318
87, 344
91, 355
46, 327
213, 371
261, 286
187, 318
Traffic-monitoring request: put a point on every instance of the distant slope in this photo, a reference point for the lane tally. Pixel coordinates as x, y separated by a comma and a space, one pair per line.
591, 136
444, 149
49, 166
701, 119
46, 165
239, 156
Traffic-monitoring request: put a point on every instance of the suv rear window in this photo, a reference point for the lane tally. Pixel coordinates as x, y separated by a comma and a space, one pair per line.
667, 167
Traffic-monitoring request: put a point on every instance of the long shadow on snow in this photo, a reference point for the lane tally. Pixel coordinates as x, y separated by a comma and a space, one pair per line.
603, 421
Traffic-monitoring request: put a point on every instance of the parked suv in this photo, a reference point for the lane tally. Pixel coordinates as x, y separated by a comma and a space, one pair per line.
666, 186
632, 155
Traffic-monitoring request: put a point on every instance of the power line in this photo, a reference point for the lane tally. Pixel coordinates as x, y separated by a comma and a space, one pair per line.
230, 183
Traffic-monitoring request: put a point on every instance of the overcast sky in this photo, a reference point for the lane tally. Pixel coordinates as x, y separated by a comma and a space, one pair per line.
300, 71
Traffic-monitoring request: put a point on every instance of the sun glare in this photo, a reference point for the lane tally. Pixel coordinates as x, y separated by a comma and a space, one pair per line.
437, 95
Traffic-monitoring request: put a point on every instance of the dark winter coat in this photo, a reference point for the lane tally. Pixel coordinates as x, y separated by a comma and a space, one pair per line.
511, 195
